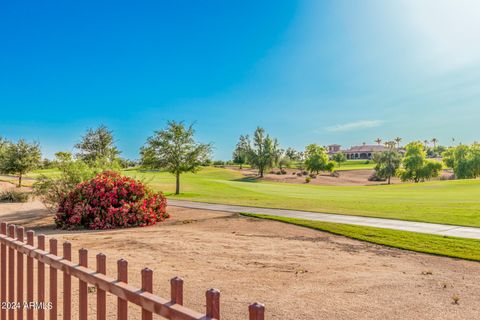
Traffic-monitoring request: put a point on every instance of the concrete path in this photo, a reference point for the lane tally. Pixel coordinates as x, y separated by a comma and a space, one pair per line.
421, 227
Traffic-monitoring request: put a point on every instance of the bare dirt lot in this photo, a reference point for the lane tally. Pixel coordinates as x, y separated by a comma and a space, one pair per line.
344, 178
297, 272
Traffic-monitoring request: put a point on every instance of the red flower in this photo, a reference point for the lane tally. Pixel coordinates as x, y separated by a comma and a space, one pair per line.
110, 201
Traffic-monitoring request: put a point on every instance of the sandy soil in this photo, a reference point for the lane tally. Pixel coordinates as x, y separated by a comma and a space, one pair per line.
297, 272
345, 178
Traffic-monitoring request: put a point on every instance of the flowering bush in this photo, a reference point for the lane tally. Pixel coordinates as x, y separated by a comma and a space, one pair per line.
110, 201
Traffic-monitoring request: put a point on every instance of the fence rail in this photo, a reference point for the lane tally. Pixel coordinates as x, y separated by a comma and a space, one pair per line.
13, 238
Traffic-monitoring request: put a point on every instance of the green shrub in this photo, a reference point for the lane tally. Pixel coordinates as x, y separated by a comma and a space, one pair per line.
308, 179
72, 172
14, 196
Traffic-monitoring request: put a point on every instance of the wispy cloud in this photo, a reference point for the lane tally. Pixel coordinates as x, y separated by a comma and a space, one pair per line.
362, 124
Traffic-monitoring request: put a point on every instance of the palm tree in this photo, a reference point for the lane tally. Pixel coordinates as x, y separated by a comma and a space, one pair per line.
398, 140
434, 141
378, 141
425, 143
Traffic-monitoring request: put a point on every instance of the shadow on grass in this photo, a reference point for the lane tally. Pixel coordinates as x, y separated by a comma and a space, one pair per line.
249, 179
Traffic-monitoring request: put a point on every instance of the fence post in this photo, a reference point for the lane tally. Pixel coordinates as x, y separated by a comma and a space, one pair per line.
53, 282
101, 294
122, 306
30, 237
3, 271
11, 272
176, 290
67, 284
41, 278
256, 311
147, 285
20, 237
82, 287
213, 303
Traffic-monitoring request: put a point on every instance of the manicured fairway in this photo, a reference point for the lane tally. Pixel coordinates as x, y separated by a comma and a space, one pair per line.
355, 165
439, 245
449, 202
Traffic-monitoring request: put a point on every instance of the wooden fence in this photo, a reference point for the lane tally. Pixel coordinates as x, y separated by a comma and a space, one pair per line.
14, 250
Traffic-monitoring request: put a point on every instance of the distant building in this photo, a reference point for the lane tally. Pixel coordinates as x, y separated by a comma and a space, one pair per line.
334, 148
363, 152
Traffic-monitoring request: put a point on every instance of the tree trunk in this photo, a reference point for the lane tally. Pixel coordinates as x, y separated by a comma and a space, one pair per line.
177, 183
389, 179
20, 181
261, 172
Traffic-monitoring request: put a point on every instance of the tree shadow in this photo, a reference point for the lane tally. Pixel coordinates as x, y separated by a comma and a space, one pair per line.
253, 179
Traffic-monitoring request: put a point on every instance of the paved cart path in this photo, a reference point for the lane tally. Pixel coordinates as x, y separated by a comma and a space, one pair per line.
421, 227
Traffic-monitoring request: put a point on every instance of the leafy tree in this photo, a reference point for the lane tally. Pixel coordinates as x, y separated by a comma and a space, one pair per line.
240, 154
284, 162
464, 160
20, 158
387, 164
415, 166
339, 158
293, 154
434, 141
175, 150
264, 152
316, 159
97, 145
3, 144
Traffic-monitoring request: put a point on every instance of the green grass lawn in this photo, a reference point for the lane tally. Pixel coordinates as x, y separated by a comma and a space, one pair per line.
355, 165
433, 244
53, 172
449, 202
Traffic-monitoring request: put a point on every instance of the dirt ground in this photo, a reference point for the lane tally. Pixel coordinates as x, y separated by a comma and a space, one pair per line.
345, 178
298, 273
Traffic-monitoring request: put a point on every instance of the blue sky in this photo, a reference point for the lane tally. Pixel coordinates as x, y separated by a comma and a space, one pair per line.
307, 71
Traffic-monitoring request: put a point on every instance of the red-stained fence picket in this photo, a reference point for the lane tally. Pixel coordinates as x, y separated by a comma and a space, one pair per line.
14, 250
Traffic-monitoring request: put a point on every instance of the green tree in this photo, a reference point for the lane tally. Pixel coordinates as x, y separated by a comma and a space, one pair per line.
264, 153
97, 145
316, 159
378, 141
339, 158
415, 166
293, 154
387, 164
242, 149
464, 160
175, 150
20, 158
284, 161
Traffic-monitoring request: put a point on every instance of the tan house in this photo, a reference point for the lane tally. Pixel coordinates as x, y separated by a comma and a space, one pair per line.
363, 152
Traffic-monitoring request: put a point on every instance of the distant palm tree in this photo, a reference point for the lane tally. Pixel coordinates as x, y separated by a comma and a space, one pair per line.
398, 140
378, 141
425, 143
434, 141
390, 144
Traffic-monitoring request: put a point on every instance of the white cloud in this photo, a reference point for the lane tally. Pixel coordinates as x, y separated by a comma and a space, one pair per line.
362, 124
